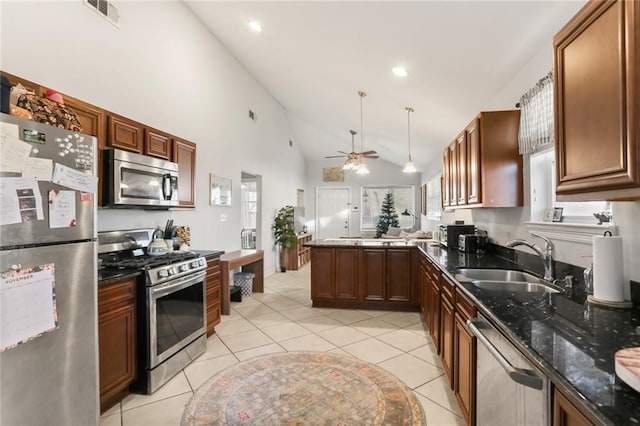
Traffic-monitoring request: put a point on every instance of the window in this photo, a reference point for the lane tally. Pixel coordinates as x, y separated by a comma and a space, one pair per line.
371, 201
434, 198
543, 194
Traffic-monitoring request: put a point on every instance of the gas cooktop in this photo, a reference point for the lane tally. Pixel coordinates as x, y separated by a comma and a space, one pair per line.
145, 261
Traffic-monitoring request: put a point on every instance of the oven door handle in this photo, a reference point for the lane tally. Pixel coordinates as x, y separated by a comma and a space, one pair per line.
170, 287
518, 375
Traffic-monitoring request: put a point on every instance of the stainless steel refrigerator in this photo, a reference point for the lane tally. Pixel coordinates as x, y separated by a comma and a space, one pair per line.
51, 379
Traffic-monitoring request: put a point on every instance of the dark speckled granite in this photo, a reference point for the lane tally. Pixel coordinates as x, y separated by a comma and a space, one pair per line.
571, 341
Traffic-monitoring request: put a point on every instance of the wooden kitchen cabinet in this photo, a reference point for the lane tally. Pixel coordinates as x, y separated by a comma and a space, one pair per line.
446, 178
464, 360
364, 278
322, 273
597, 103
117, 340
485, 167
157, 143
434, 313
566, 414
447, 325
461, 152
213, 293
184, 153
124, 134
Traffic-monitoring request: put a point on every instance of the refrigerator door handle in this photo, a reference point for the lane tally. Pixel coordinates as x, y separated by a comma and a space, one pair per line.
518, 375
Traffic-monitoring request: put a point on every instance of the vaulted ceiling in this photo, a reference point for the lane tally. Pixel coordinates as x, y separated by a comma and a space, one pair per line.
314, 57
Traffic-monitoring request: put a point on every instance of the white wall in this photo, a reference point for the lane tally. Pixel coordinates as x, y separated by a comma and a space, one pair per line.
381, 173
161, 67
507, 223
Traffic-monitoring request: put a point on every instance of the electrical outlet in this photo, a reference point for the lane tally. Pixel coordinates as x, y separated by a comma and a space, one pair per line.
223, 217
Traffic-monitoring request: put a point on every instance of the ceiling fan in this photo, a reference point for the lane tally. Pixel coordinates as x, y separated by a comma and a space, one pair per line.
353, 156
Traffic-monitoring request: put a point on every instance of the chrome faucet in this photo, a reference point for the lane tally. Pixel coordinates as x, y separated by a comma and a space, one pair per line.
546, 255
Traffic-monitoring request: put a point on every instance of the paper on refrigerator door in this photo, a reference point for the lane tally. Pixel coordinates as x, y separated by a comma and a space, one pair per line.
27, 304
20, 200
39, 168
14, 154
74, 179
62, 209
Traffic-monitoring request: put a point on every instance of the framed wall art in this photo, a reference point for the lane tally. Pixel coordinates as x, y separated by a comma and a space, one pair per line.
219, 191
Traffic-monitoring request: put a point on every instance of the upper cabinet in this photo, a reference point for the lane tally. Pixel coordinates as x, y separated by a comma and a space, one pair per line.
184, 153
482, 167
597, 103
157, 143
124, 134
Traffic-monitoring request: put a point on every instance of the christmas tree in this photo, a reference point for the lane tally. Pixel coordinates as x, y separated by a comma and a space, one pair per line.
388, 215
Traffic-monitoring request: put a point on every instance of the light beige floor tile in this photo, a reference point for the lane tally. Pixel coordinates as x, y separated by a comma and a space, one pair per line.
319, 323
411, 370
167, 412
419, 328
112, 420
340, 352
283, 305
300, 313
262, 350
176, 386
268, 320
113, 410
437, 415
250, 311
246, 301
372, 350
374, 314
374, 326
200, 371
246, 340
427, 353
285, 331
439, 391
343, 335
215, 348
402, 319
347, 316
310, 342
404, 339
234, 326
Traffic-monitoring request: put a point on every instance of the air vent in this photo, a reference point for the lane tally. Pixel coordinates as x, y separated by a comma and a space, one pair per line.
105, 9
252, 115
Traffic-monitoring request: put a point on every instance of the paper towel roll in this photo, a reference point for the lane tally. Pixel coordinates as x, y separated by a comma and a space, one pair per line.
608, 281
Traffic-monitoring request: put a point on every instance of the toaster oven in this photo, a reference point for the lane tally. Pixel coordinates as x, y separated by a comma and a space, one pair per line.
449, 234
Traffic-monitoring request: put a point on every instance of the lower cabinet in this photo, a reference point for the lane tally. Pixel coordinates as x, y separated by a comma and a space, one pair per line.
364, 278
446, 337
117, 340
566, 414
464, 360
213, 293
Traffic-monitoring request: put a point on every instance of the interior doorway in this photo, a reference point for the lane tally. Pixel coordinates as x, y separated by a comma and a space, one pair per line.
251, 211
332, 212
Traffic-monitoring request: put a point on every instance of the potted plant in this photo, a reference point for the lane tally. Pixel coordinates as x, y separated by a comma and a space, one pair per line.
284, 232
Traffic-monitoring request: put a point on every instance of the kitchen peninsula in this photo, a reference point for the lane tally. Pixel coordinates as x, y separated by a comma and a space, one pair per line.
364, 274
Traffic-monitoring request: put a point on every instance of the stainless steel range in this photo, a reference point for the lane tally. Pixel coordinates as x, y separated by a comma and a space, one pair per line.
171, 304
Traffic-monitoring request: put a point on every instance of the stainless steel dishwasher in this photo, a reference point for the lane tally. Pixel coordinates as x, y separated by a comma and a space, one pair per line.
509, 390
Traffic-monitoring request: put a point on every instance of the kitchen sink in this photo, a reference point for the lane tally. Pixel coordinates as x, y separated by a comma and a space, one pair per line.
506, 280
499, 275
514, 286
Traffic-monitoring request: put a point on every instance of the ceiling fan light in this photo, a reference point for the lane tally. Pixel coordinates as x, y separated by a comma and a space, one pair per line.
362, 170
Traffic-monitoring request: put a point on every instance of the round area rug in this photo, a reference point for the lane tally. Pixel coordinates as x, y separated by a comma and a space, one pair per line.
304, 388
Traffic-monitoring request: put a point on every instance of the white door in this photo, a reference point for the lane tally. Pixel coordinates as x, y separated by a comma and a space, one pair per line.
332, 213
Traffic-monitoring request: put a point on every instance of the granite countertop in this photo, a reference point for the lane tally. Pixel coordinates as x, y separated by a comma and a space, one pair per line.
363, 242
573, 342
108, 276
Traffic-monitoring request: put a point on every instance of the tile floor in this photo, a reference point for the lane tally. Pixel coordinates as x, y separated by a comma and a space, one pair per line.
281, 319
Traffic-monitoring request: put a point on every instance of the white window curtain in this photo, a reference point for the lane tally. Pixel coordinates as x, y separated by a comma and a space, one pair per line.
536, 116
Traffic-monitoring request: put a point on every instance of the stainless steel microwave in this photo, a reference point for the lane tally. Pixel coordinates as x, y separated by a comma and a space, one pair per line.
138, 181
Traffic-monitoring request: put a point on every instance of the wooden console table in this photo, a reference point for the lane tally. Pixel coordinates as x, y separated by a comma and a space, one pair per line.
250, 261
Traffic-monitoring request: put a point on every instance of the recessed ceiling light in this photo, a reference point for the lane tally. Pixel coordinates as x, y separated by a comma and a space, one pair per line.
255, 26
399, 71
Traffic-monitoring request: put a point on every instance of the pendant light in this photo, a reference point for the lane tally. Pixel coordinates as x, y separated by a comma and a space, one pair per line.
361, 167
409, 167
